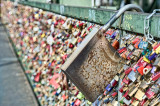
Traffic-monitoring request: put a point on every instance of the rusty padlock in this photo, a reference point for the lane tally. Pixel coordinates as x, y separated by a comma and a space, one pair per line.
95, 62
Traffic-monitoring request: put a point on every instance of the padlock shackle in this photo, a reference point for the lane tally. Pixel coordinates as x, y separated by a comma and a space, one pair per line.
119, 13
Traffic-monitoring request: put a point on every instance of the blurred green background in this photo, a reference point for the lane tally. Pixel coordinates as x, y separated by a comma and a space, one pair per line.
147, 5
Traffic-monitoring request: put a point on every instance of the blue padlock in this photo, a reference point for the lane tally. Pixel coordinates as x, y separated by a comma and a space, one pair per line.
109, 88
49, 64
113, 35
40, 62
143, 45
154, 55
107, 100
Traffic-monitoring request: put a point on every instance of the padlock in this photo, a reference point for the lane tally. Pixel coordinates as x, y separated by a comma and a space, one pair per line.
113, 83
157, 50
143, 45
115, 44
122, 75
126, 80
127, 71
131, 47
149, 93
155, 45
146, 59
124, 54
135, 103
143, 85
158, 82
132, 76
109, 87
114, 94
142, 62
136, 44
154, 69
113, 35
132, 90
135, 58
120, 71
139, 77
147, 69
139, 94
106, 100
126, 95
140, 70
153, 56
136, 53
121, 89
155, 88
121, 50
156, 76
127, 102
157, 62
143, 102
125, 89
129, 57
135, 40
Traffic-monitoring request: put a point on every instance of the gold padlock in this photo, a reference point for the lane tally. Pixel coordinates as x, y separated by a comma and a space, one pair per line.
135, 103
139, 95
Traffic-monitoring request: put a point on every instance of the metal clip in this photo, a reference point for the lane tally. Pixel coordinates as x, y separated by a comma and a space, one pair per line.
147, 34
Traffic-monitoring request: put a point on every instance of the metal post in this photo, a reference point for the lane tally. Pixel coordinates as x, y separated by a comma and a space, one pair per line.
119, 13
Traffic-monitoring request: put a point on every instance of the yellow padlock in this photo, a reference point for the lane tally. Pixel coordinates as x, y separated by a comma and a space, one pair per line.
43, 35
36, 16
158, 50
145, 59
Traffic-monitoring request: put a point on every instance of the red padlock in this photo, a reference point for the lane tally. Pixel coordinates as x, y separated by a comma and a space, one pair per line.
128, 70
135, 40
115, 44
140, 70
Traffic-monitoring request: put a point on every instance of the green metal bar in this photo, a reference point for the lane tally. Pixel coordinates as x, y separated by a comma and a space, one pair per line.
132, 21
85, 3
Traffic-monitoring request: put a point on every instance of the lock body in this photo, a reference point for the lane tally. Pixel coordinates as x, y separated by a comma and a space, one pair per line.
92, 65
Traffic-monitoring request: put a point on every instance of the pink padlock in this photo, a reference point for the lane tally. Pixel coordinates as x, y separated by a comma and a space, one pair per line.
149, 93
156, 76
